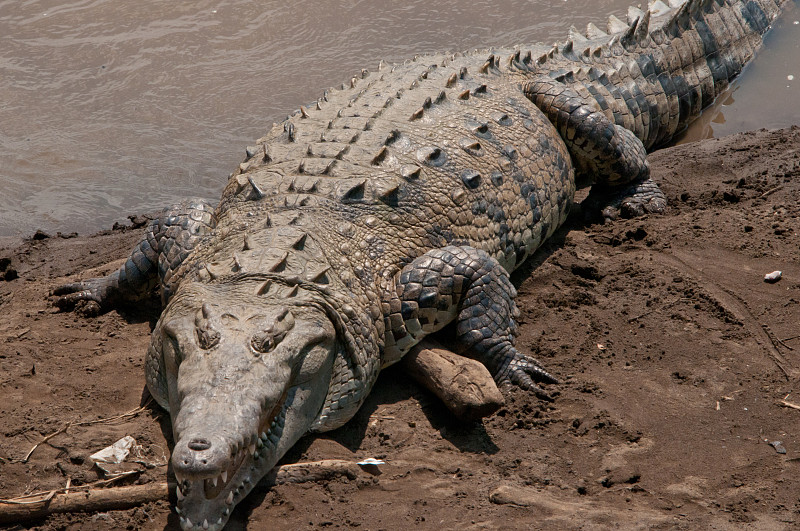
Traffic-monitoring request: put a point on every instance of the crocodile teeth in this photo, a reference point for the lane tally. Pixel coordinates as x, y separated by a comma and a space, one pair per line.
178, 493
263, 436
224, 476
214, 482
252, 449
205, 524
219, 521
229, 499
189, 523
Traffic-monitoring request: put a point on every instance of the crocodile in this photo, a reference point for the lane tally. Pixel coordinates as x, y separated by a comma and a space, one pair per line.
390, 208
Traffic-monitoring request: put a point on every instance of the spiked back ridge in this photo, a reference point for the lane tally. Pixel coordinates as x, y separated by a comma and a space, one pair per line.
654, 73
359, 154
445, 149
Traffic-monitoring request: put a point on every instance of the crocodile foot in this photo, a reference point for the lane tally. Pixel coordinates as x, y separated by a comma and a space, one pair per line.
608, 203
468, 286
515, 368
92, 290
167, 242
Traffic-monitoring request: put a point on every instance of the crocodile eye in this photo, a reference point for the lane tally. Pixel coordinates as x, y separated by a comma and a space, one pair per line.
207, 336
263, 342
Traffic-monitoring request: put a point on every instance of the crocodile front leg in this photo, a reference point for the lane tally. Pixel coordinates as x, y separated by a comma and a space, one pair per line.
167, 242
467, 285
608, 152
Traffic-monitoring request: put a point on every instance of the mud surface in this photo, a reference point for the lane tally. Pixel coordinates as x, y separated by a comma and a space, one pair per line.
673, 351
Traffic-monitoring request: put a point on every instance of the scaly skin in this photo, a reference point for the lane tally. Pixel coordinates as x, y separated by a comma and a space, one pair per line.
387, 210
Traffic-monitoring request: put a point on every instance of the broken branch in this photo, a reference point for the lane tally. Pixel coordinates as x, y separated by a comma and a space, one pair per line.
792, 405
88, 498
464, 385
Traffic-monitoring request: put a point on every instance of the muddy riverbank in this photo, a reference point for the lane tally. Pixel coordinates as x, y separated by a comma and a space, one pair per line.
674, 354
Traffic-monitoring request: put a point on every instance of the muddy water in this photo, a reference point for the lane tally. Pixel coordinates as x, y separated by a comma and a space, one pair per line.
109, 108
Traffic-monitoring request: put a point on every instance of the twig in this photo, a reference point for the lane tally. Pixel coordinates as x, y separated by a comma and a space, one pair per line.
47, 438
131, 413
789, 338
89, 500
784, 344
792, 405
770, 191
774, 338
36, 497
45, 496
662, 307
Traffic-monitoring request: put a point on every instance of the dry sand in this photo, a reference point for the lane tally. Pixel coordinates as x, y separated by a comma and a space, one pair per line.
673, 351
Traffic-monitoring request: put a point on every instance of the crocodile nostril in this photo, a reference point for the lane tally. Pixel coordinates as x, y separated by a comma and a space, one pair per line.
199, 445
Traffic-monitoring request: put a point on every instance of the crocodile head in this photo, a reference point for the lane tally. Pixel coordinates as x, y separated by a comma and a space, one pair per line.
245, 378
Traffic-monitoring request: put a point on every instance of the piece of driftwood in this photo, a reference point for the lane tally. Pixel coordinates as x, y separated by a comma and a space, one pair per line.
464, 385
115, 498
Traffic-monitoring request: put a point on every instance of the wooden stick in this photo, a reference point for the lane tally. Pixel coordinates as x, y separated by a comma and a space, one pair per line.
464, 385
86, 498
784, 403
47, 438
658, 308
90, 500
774, 338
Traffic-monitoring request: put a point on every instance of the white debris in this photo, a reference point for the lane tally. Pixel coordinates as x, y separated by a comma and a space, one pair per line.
773, 277
116, 453
371, 461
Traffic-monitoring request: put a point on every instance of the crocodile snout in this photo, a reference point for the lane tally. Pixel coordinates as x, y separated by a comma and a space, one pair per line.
199, 456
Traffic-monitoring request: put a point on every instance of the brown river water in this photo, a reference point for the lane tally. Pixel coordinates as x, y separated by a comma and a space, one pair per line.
109, 108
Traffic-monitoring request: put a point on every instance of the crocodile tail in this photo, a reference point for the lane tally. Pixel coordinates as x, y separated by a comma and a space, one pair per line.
656, 72
723, 36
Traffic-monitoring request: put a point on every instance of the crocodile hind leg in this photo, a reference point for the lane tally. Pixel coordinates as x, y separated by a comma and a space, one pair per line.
467, 285
167, 242
609, 153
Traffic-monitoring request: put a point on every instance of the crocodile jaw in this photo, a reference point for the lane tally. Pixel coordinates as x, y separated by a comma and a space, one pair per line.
207, 502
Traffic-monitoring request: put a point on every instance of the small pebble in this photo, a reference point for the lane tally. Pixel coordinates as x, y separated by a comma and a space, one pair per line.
773, 277
778, 447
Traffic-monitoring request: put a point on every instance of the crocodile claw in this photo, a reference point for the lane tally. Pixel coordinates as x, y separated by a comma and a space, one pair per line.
524, 371
69, 295
628, 201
